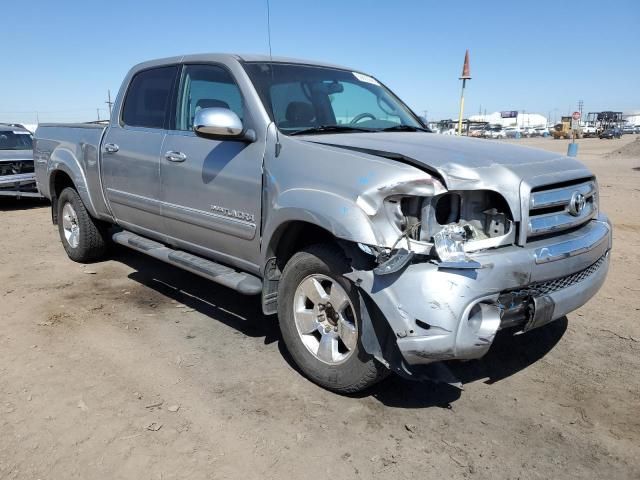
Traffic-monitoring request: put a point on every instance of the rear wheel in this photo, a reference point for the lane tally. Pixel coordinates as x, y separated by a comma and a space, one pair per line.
83, 238
319, 315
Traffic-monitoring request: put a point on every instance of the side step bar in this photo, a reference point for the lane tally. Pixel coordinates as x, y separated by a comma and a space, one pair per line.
244, 283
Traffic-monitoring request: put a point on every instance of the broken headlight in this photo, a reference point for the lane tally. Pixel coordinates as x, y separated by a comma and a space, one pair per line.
449, 242
455, 221
485, 211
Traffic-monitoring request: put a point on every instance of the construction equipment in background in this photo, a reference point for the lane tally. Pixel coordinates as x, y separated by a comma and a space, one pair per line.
563, 129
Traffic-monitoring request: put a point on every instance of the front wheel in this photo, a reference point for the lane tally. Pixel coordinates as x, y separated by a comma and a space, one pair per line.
83, 238
319, 315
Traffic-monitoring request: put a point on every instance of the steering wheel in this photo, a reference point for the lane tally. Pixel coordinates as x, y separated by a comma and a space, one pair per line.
362, 116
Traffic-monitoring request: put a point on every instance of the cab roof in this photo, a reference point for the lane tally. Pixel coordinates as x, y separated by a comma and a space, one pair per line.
10, 127
221, 57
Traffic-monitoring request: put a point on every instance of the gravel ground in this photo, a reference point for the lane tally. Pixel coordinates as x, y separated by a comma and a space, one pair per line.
129, 368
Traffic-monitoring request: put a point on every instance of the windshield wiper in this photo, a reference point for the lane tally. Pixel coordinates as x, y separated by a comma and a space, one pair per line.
404, 128
332, 129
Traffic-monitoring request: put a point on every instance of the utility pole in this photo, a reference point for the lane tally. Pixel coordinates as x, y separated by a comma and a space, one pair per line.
109, 102
466, 75
98, 112
580, 105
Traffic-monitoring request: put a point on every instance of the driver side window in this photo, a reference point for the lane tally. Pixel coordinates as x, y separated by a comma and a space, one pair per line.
206, 86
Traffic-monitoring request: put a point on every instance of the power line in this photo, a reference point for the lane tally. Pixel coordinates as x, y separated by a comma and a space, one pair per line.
109, 102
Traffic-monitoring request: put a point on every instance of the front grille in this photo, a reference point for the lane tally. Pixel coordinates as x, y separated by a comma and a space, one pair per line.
16, 167
555, 208
516, 304
550, 286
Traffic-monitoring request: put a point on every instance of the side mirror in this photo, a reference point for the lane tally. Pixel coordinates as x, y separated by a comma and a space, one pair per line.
220, 124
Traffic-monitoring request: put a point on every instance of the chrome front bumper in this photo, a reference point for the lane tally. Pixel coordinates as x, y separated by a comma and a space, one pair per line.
17, 179
441, 314
19, 185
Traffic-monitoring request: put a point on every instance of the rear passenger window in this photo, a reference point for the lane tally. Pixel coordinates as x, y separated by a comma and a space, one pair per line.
147, 99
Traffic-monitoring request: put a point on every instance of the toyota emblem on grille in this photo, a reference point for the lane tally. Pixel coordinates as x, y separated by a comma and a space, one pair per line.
576, 204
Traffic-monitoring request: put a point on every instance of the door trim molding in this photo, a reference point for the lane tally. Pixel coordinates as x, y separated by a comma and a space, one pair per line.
231, 226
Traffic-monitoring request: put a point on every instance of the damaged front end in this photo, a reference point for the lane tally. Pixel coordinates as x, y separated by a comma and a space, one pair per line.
448, 273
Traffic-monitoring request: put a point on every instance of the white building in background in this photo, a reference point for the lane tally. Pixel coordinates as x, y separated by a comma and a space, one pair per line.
522, 120
632, 117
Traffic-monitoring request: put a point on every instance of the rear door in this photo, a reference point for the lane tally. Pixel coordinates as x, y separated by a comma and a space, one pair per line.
131, 151
211, 188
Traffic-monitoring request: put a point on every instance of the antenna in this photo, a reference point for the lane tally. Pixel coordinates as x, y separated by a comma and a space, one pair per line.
269, 30
278, 146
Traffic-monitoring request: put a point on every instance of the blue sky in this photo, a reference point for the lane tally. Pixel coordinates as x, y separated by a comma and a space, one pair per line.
60, 57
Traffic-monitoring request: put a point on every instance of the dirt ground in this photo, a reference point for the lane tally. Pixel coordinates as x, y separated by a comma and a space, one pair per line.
129, 368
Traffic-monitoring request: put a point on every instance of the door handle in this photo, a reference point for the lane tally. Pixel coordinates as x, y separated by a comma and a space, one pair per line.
175, 156
111, 148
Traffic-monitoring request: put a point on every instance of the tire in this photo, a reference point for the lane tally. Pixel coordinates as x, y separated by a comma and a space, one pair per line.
83, 238
344, 370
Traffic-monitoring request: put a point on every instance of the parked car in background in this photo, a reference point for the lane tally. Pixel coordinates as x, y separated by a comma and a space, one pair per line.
380, 246
494, 131
528, 132
611, 133
512, 132
541, 131
589, 131
628, 128
476, 131
17, 177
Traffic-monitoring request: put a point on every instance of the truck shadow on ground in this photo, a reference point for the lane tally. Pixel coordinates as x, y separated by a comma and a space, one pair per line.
9, 204
215, 301
508, 355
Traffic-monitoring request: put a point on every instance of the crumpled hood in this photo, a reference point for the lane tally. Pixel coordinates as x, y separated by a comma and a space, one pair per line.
465, 163
13, 155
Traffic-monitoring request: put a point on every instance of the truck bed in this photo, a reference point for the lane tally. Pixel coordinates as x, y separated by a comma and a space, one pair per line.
78, 142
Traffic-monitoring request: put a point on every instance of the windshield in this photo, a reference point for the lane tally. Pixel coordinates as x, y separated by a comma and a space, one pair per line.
303, 97
15, 140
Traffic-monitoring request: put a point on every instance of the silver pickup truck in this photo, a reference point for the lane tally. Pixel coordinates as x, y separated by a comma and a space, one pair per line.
381, 246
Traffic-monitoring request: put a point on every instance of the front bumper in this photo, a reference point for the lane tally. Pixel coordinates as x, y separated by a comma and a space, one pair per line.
20, 184
442, 314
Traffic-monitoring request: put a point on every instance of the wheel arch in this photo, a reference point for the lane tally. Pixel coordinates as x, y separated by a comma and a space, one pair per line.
286, 240
58, 180
65, 164
294, 235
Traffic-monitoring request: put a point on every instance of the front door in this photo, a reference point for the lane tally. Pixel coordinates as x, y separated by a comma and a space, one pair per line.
131, 152
211, 189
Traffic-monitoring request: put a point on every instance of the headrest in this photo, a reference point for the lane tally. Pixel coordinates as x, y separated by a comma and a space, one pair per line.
211, 103
300, 112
